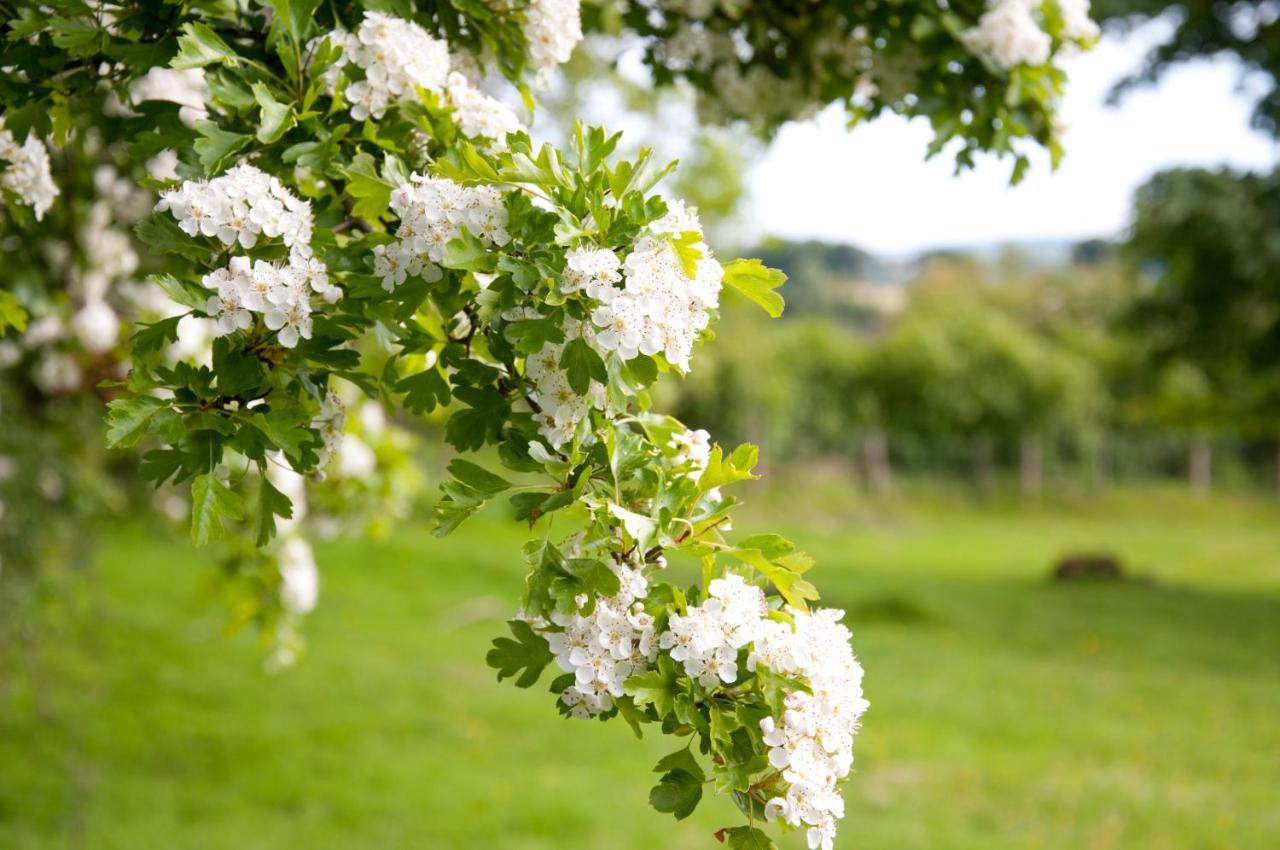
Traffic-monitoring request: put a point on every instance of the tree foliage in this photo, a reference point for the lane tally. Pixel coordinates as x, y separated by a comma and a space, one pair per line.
344, 209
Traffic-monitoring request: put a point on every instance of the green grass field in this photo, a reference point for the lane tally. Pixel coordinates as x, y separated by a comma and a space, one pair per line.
1007, 712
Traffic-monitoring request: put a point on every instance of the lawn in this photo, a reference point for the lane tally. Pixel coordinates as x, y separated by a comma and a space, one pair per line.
1007, 711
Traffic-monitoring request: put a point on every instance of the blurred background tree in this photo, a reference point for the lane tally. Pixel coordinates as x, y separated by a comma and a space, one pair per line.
1248, 30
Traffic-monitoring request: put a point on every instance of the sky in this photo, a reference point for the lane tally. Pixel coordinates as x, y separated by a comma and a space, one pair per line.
870, 186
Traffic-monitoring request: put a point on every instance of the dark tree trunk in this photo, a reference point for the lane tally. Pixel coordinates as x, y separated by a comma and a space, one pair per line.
1031, 467
1200, 465
1277, 469
984, 465
876, 470
1102, 464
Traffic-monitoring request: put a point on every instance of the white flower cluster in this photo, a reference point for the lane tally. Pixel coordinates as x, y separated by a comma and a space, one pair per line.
26, 171
397, 58
281, 292
299, 588
812, 743
691, 447
108, 257
755, 95
432, 211
478, 114
553, 28
660, 309
96, 325
707, 638
1008, 33
187, 88
591, 270
238, 207
562, 408
606, 647
299, 576
1076, 23
330, 422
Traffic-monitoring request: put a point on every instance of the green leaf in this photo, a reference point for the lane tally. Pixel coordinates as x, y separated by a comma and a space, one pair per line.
544, 561
271, 503
296, 16
161, 233
583, 576
238, 371
159, 465
681, 759
216, 144
128, 418
796, 590
686, 247
211, 503
470, 489
424, 391
199, 46
530, 335
469, 253
77, 36
477, 477
582, 365
757, 282
746, 838
372, 193
638, 526
457, 504
187, 294
658, 687
481, 422
678, 793
285, 426
525, 657
770, 545
156, 335
277, 117
723, 470
11, 313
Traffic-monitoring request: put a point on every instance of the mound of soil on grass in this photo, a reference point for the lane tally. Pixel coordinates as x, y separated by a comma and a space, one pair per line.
1092, 567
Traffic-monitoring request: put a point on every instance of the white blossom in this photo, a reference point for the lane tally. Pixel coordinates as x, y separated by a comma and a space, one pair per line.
433, 211
239, 207
606, 647
299, 576
553, 28
593, 270
354, 458
561, 408
186, 87
96, 325
693, 448
478, 114
281, 292
660, 309
706, 639
812, 742
396, 57
1008, 34
57, 373
1076, 23
26, 171
330, 422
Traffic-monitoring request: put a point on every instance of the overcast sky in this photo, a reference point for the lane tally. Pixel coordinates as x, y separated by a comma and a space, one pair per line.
870, 186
